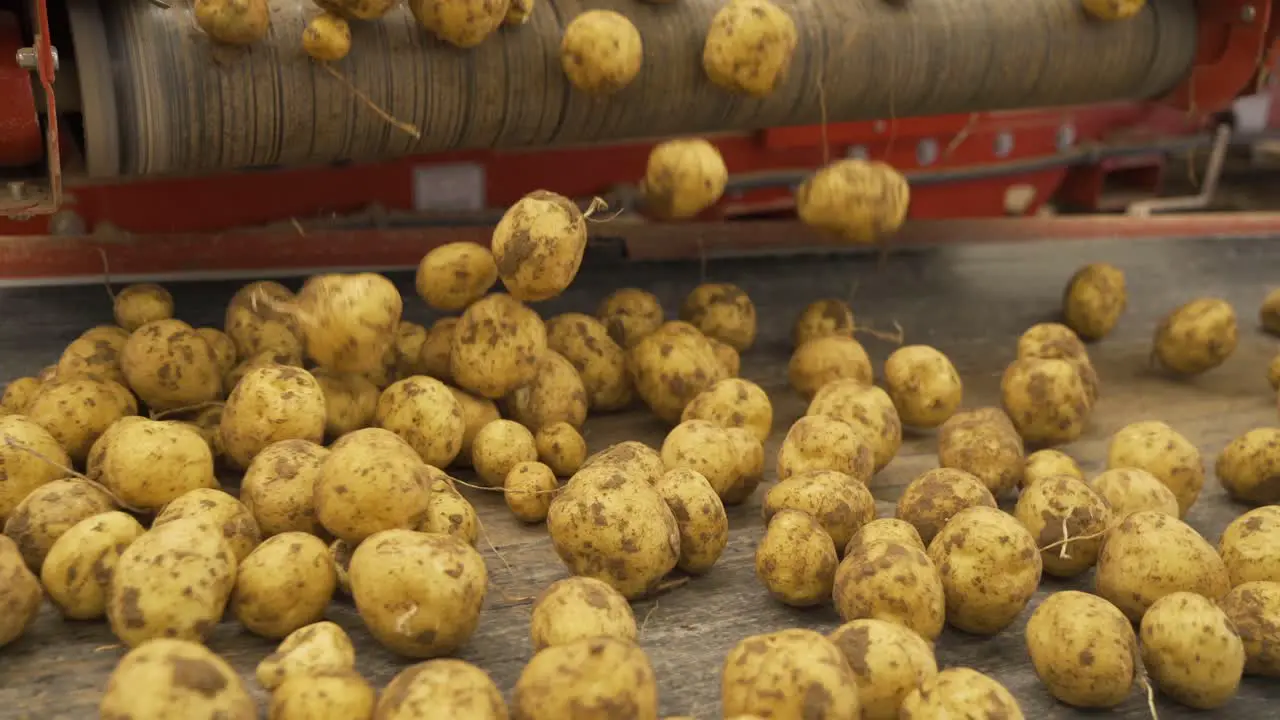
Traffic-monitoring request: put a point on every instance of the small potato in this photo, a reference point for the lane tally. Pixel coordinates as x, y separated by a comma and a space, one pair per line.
434, 607
672, 366
749, 47
601, 363
576, 608
962, 693
170, 366
1047, 463
434, 358
894, 582
924, 385
449, 513
860, 202
313, 650
1197, 337
528, 490
839, 503
1150, 555
454, 275
271, 404
499, 447
137, 305
173, 582
77, 412
496, 346
77, 571
1045, 399
1160, 450
796, 559
682, 178
423, 412
1083, 649
866, 407
285, 584
539, 242
561, 448
932, 499
818, 442
885, 530
51, 510
990, 450
706, 448
1130, 490
789, 674
20, 593
325, 696
587, 679
828, 359
256, 321
18, 394
1249, 467
990, 567
350, 401
220, 510
1269, 312
630, 315
233, 22
148, 464
441, 688
601, 53
178, 678
556, 394
327, 37
22, 471
632, 458
1191, 650
364, 489
733, 402
349, 320
823, 318
888, 662
1254, 610
1248, 546
97, 359
1068, 520
279, 487
224, 350
722, 311
1094, 300
700, 515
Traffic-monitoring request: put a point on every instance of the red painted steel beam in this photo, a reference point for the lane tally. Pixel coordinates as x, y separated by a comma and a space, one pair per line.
20, 140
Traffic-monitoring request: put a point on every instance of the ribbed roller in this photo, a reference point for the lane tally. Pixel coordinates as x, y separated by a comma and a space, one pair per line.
185, 106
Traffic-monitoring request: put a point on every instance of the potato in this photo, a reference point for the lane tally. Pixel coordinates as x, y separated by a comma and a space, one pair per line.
700, 515
1130, 490
519, 12
827, 359
433, 358
1191, 650
1047, 463
823, 318
733, 402
76, 412
434, 606
441, 688
1197, 337
1094, 300
284, 585
1055, 341
257, 321
632, 458
449, 513
1083, 650
173, 581
989, 449
990, 568
934, 497
350, 401
796, 559
271, 404
539, 242
96, 359
1160, 450
556, 394
818, 442
722, 311
496, 346
20, 593
149, 464
358, 9
224, 350
888, 662
313, 650
1269, 312
1150, 555
425, 413
454, 275
51, 510
279, 487
615, 527
789, 674
1248, 546
601, 53
349, 321
24, 471
18, 394
750, 453
1249, 467
1069, 521
749, 47
729, 358
476, 413
962, 693
840, 504
260, 360
561, 448
342, 695
923, 384
672, 366
601, 363
116, 334
891, 581
463, 24
410, 337
166, 677
48, 374
219, 509
682, 178
858, 201
577, 608
885, 530
592, 679
867, 408
77, 571
500, 446
702, 446
630, 315
1045, 399
369, 486
327, 37
528, 489
137, 305
170, 366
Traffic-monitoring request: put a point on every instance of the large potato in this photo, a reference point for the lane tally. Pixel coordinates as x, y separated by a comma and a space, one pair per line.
1046, 400
924, 385
148, 464
839, 503
579, 607
271, 404
601, 363
630, 315
597, 678
456, 274
51, 510
1069, 521
78, 570
1192, 651
175, 678
990, 567
1197, 337
748, 47
169, 365
539, 242
25, 471
888, 662
20, 593
818, 442
672, 366
349, 321
444, 688
962, 693
891, 581
1249, 467
699, 512
1094, 300
1150, 555
722, 311
1160, 450
789, 674
866, 407
556, 394
821, 318
279, 487
984, 446
283, 585
426, 414
1083, 649
938, 495
496, 346
256, 321
77, 412
1248, 546
828, 359
1254, 609
370, 486
796, 559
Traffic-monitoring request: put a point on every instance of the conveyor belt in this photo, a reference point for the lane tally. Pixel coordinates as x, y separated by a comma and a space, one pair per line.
182, 105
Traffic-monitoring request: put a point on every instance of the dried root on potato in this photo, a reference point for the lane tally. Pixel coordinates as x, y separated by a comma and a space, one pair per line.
749, 46
682, 178
1069, 521
601, 52
1197, 337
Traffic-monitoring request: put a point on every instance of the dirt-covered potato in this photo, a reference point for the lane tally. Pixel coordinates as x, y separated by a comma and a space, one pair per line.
285, 584
340, 551
1047, 463
1046, 400
706, 448
733, 402
539, 242
18, 394
728, 357
700, 515
1150, 555
984, 446
672, 366
20, 593
433, 357
796, 559
632, 458
137, 305
923, 384
1083, 650
349, 320
496, 346
224, 350
528, 490
938, 495
601, 363
576, 608
1249, 467
615, 527
960, 692
891, 581
476, 413
1130, 490
990, 568
77, 571
51, 510
788, 674
888, 662
561, 447
23, 471
860, 202
867, 408
443, 688
682, 178
1269, 312
449, 513
839, 503
827, 359
96, 358
556, 394
1191, 650
350, 401
219, 509
1248, 546
233, 22
260, 360
1055, 341
434, 606
76, 412
1094, 300
750, 452
1162, 451
315, 649
749, 46
823, 318
271, 404
173, 581
342, 695
169, 365
1254, 610
423, 412
279, 487
256, 321
630, 315
167, 677
1197, 337
601, 53
819, 442
722, 311
327, 37
591, 678
454, 275
148, 464
500, 446
1068, 520
885, 530
410, 337
371, 485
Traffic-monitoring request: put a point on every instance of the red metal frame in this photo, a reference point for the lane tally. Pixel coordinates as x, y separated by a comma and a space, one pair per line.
20, 140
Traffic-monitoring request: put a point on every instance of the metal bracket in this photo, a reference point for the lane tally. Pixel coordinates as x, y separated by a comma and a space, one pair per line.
1208, 189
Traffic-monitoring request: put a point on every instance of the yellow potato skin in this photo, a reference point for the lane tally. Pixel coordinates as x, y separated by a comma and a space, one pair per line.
576, 608
860, 202
960, 692
168, 677
761, 672
601, 52
1191, 650
1083, 649
589, 679
463, 24
77, 571
749, 46
683, 177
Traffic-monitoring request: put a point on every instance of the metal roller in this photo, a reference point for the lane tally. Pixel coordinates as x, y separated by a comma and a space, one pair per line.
183, 105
